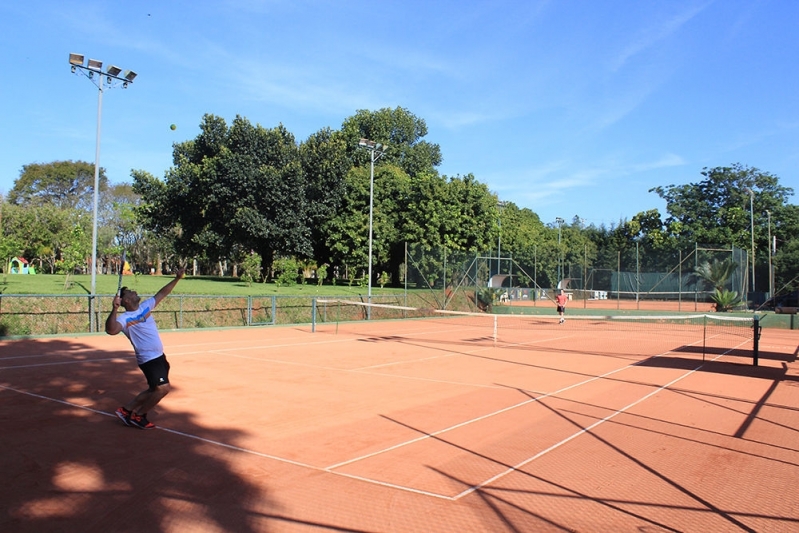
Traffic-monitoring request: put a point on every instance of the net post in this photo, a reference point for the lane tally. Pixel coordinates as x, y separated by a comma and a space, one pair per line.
756, 339
495, 330
704, 336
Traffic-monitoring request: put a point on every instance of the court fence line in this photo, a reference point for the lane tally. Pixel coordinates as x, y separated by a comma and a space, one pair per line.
59, 314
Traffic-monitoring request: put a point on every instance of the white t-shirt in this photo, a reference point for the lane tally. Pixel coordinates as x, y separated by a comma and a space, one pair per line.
140, 329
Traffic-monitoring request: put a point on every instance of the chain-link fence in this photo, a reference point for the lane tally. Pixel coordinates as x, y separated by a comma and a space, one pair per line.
606, 278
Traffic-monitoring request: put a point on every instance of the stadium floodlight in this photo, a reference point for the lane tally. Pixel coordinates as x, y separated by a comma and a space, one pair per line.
376, 150
106, 79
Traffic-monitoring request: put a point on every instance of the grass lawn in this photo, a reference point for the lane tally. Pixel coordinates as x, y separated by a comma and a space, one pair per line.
206, 285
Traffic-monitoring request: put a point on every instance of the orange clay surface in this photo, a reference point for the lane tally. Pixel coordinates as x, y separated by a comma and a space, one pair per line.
406, 426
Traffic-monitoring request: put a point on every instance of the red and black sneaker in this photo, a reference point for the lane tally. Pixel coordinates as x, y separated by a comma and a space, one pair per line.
124, 415
141, 422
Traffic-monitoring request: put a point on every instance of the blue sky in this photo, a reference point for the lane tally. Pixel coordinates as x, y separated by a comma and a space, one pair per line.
567, 107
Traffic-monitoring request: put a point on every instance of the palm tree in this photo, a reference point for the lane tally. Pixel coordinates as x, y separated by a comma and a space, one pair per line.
716, 274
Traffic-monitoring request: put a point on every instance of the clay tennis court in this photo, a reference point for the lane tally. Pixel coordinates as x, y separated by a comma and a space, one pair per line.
405, 426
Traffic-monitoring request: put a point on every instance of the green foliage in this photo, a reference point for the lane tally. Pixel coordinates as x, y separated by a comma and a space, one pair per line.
321, 274
62, 184
486, 297
286, 268
383, 279
401, 131
725, 300
75, 253
251, 267
9, 247
717, 209
717, 273
241, 186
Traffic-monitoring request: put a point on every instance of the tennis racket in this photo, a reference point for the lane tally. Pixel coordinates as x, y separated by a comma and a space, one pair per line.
121, 270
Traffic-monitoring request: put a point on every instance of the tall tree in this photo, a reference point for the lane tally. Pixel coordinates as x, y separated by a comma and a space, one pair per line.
403, 134
325, 163
716, 209
64, 184
238, 186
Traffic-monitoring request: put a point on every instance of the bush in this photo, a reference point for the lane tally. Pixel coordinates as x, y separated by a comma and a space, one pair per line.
287, 271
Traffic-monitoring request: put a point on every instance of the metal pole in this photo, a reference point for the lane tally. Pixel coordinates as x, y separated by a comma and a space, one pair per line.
500, 206
371, 200
585, 277
752, 226
93, 321
770, 251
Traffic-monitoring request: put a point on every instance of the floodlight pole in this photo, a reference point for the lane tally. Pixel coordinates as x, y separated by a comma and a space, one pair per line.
376, 150
752, 233
559, 221
770, 252
500, 206
93, 70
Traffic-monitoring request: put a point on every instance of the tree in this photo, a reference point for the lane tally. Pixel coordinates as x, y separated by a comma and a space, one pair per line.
251, 267
63, 184
716, 274
716, 210
401, 131
240, 186
74, 253
325, 164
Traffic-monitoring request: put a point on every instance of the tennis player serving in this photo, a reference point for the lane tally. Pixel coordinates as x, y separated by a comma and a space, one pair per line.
138, 325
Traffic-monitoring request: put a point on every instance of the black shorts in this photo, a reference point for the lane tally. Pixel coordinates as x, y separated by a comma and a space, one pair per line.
156, 371
561, 309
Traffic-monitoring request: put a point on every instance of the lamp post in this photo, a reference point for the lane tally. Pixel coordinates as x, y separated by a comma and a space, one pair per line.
376, 151
770, 252
108, 78
752, 233
500, 207
559, 221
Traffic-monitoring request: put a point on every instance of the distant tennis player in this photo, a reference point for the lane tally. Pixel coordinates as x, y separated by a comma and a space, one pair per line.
138, 325
561, 300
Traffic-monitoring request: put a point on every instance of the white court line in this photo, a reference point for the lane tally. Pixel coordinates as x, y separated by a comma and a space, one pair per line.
478, 419
237, 448
331, 469
58, 363
587, 429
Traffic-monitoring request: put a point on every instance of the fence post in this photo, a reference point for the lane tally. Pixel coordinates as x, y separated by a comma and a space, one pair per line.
313, 315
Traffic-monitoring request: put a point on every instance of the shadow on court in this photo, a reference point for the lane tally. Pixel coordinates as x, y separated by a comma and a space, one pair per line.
743, 368
68, 466
744, 354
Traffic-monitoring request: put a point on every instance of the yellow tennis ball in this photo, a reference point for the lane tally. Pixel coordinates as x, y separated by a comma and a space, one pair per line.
173, 127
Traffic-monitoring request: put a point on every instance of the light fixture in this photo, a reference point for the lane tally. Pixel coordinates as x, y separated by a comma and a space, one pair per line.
94, 64
76, 59
129, 75
114, 71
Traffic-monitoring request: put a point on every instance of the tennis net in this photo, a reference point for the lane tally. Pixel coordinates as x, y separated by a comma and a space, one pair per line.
635, 335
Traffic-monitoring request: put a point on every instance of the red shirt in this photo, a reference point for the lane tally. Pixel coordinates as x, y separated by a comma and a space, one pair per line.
561, 300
